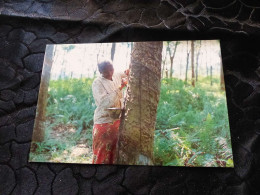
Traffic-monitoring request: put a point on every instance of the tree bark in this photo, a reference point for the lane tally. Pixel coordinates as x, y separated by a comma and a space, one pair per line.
172, 57
39, 129
169, 51
197, 62
113, 49
192, 64
166, 73
164, 63
207, 68
187, 63
136, 138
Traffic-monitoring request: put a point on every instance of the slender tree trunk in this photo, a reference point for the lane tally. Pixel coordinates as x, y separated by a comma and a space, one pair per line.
197, 62
172, 57
192, 64
62, 75
113, 49
207, 68
136, 138
187, 63
169, 51
98, 53
166, 73
164, 63
38, 133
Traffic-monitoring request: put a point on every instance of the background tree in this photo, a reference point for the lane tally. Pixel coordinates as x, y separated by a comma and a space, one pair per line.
206, 58
137, 126
38, 133
197, 60
172, 55
187, 62
192, 64
166, 73
113, 49
164, 60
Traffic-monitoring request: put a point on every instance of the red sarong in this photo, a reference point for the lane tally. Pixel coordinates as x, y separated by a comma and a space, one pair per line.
105, 137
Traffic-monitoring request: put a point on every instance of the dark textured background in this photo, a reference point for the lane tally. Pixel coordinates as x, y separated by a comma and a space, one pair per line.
27, 26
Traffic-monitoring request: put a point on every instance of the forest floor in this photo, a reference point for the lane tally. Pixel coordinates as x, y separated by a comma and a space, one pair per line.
63, 146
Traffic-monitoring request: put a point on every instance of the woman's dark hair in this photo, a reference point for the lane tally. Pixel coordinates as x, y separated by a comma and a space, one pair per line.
102, 65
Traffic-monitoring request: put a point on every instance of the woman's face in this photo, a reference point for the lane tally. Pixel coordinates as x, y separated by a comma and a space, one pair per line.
108, 71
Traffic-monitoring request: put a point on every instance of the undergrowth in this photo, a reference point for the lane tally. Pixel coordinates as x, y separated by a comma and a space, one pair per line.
192, 127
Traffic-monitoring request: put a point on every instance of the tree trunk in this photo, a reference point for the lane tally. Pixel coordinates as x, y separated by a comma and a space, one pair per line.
97, 61
172, 57
62, 75
207, 68
187, 63
192, 64
197, 62
169, 51
166, 73
136, 138
113, 49
164, 63
38, 132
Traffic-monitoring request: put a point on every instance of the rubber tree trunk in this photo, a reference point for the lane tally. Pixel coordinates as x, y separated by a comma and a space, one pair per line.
172, 58
197, 61
38, 132
207, 68
166, 73
136, 138
164, 63
113, 49
187, 63
192, 65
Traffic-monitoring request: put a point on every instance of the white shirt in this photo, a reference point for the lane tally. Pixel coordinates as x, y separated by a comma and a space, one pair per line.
106, 94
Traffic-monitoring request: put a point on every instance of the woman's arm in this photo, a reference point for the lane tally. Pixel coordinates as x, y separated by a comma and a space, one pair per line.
124, 74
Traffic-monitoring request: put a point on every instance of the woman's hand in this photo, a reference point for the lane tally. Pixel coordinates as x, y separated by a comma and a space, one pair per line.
123, 83
127, 72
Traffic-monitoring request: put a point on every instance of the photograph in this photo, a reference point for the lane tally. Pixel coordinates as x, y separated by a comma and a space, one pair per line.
156, 103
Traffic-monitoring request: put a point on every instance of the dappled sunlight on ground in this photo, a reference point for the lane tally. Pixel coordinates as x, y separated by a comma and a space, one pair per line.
63, 145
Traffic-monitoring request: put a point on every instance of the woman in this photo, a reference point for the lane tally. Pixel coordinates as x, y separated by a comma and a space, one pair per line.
107, 93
